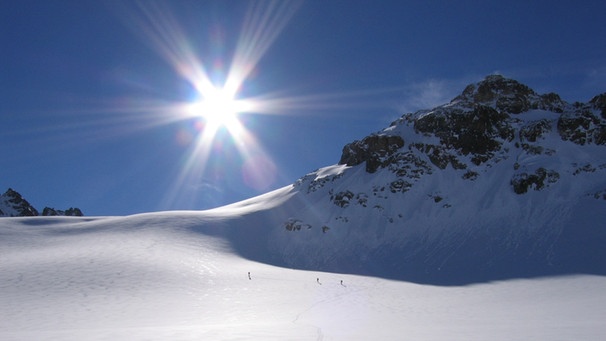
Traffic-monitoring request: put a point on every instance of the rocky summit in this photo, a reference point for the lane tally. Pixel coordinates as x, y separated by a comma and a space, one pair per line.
12, 204
501, 182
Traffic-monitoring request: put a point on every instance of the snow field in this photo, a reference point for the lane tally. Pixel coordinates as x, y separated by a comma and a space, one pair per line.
114, 279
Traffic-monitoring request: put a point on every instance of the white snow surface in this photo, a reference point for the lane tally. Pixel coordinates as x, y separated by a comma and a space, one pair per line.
169, 276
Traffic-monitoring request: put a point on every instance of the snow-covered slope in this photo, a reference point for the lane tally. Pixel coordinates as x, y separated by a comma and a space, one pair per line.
499, 183
169, 276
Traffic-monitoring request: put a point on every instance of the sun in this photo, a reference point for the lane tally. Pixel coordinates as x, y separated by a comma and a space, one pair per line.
219, 108
215, 114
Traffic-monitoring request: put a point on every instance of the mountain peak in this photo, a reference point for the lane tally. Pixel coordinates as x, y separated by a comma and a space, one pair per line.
508, 95
501, 93
12, 204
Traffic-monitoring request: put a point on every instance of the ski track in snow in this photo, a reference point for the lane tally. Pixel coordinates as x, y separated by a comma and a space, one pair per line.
119, 279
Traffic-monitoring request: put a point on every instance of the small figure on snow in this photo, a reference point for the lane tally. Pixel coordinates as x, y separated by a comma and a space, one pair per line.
249, 275
318, 280
341, 282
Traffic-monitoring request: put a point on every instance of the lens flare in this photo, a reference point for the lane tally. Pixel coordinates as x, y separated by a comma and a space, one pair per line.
217, 106
212, 132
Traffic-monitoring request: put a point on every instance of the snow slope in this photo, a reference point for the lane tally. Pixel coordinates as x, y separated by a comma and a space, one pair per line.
500, 183
173, 276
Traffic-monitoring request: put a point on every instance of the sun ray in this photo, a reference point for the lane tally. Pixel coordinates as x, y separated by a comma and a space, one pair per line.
262, 25
197, 135
216, 105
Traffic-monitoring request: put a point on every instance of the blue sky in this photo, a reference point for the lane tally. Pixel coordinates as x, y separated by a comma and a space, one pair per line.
92, 93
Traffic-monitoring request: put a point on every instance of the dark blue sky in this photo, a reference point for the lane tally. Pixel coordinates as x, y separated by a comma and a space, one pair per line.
88, 91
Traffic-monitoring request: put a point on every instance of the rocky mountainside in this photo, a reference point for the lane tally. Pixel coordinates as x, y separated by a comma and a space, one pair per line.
501, 182
12, 204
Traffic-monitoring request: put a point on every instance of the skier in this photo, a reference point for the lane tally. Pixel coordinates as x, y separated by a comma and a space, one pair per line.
249, 275
318, 280
341, 282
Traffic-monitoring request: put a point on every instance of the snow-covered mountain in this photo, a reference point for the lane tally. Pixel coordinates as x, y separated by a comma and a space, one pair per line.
12, 204
499, 183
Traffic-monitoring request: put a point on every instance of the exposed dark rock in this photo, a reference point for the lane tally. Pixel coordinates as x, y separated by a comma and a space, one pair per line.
551, 102
74, 212
399, 186
532, 149
314, 184
586, 168
408, 165
470, 175
534, 130
477, 132
507, 95
540, 179
295, 225
582, 127
342, 199
47, 211
436, 198
600, 195
362, 199
373, 150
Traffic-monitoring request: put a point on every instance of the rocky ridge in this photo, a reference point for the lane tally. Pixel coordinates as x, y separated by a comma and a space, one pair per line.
12, 204
478, 128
